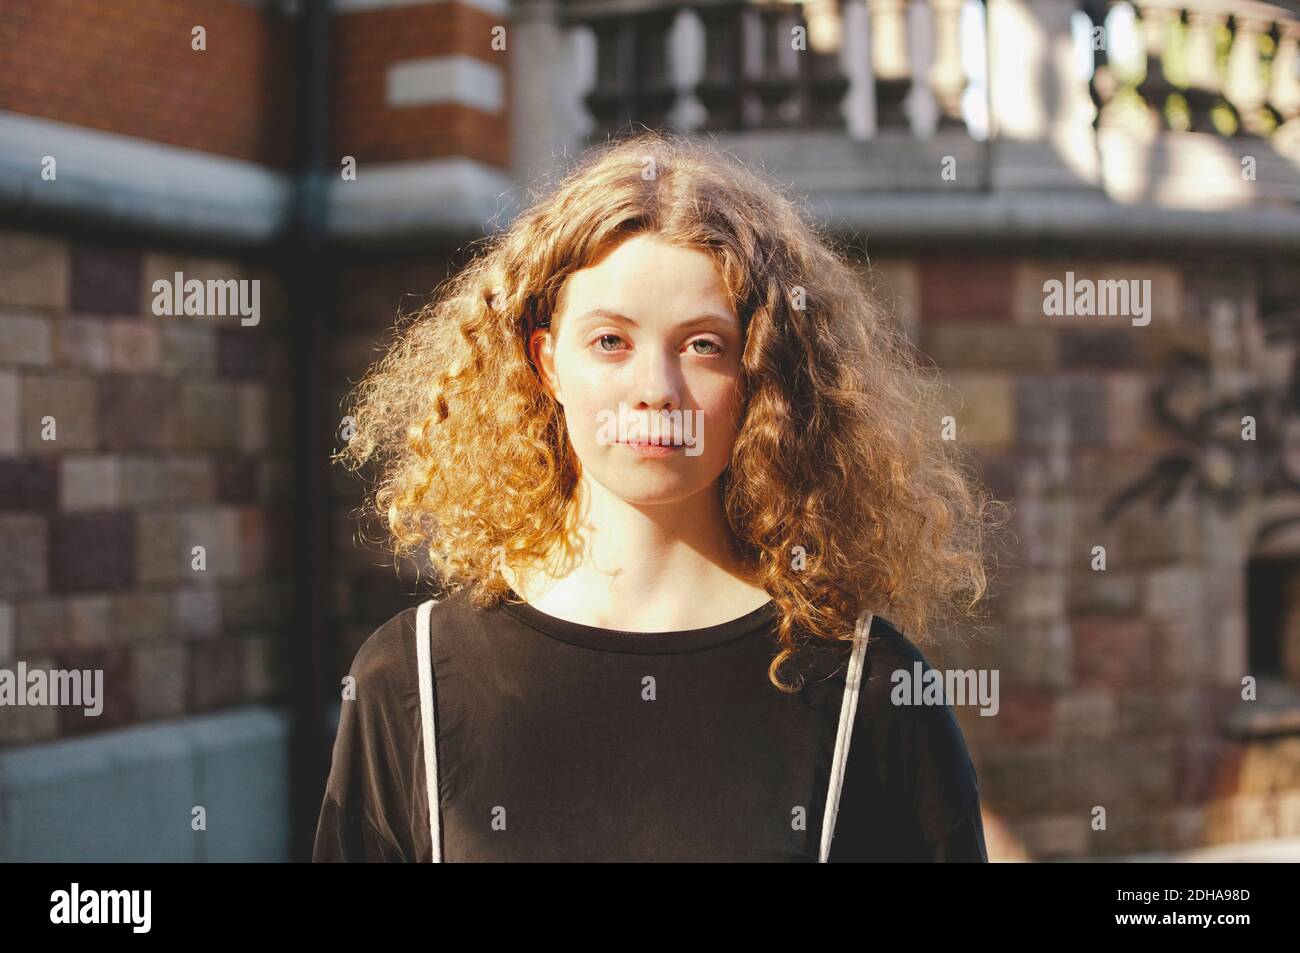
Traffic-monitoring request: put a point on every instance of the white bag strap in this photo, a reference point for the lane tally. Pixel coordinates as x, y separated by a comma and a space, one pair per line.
848, 708
422, 655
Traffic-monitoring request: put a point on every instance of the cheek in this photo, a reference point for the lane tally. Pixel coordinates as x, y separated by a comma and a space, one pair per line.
720, 421
587, 399
722, 404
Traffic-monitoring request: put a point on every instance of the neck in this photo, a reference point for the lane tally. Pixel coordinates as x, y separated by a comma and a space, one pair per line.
667, 566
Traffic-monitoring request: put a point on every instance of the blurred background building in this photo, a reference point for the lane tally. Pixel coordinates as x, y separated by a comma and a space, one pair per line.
345, 155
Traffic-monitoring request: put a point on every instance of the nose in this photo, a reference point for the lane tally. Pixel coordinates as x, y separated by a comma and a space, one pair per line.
657, 380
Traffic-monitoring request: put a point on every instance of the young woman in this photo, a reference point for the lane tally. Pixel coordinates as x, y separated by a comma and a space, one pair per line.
674, 470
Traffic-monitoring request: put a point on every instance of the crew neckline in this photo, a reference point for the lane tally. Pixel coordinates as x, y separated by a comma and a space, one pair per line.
647, 643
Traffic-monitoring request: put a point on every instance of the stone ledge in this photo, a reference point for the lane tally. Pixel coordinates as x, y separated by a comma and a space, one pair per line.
1285, 850
127, 795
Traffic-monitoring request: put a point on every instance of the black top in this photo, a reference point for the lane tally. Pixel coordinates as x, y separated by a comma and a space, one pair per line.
567, 742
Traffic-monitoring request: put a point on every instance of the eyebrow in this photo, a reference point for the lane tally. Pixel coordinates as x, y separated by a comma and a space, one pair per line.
706, 318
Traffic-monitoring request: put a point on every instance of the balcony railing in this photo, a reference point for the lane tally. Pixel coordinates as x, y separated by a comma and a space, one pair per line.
730, 65
736, 65
1210, 66
870, 66
1039, 116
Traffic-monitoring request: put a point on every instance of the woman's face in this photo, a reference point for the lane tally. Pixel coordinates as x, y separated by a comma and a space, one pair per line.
646, 346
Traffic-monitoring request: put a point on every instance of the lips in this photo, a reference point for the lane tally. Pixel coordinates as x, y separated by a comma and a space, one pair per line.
652, 443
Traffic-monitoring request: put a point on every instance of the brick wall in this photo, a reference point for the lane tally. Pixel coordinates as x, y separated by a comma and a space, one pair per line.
375, 121
169, 432
411, 81
1117, 685
128, 67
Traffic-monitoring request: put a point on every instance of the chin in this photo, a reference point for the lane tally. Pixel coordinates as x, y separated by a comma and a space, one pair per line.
650, 493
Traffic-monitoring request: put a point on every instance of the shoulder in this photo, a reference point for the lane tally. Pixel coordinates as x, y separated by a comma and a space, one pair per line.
888, 651
936, 771
385, 651
388, 655
890, 657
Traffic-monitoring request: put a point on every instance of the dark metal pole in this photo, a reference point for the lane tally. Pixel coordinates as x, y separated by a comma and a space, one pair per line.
306, 258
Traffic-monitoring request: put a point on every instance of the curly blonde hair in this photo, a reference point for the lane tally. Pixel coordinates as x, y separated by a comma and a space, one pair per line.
840, 495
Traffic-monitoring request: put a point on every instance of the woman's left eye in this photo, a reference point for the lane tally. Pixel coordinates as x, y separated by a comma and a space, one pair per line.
709, 342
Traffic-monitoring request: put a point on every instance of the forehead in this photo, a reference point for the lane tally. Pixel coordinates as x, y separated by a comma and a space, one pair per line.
646, 272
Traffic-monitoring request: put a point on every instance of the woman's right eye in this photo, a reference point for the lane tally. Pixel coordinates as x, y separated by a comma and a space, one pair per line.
605, 337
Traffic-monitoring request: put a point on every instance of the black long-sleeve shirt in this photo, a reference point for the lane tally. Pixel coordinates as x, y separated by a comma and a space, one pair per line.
566, 742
